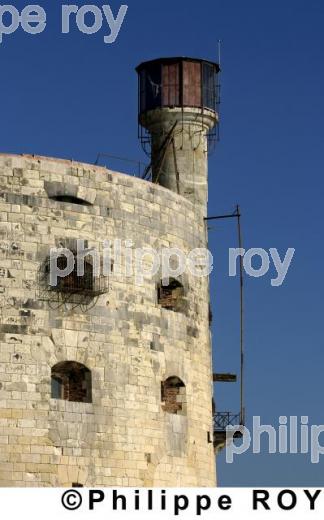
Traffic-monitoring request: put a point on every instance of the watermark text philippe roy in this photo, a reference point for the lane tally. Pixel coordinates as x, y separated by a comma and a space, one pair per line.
169, 262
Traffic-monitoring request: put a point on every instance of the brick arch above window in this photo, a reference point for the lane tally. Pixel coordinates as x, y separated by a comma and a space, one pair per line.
71, 381
171, 295
173, 396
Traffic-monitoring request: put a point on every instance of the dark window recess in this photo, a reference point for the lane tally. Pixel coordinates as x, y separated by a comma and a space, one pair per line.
71, 381
173, 395
210, 315
171, 296
210, 87
80, 280
76, 485
151, 87
70, 199
73, 282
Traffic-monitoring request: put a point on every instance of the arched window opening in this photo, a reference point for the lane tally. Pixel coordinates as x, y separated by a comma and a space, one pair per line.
171, 296
70, 199
71, 381
173, 396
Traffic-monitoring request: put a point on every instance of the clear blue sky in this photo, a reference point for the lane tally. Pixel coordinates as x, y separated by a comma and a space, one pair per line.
74, 96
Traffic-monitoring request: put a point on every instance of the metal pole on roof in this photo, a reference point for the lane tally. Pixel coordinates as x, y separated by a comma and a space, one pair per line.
219, 51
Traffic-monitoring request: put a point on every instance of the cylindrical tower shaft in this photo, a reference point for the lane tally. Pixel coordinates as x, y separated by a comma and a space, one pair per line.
179, 151
178, 108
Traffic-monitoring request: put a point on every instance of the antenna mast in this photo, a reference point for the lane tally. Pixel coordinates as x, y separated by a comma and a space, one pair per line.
219, 51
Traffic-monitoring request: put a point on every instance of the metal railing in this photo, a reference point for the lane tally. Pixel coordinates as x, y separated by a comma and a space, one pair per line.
138, 167
224, 419
87, 284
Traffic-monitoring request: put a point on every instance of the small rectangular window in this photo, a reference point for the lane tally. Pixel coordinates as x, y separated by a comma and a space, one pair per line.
57, 388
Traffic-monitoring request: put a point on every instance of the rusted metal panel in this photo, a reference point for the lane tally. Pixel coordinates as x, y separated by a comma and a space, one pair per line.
192, 94
170, 85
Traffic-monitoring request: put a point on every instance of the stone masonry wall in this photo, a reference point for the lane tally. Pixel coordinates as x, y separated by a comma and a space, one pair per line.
129, 342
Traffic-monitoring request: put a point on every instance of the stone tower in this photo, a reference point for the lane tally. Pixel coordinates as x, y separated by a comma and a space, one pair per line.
107, 380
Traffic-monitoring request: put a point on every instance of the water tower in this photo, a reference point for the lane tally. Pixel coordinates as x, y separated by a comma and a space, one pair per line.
178, 117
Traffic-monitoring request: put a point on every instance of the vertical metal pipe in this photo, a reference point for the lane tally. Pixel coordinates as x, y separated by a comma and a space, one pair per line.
242, 413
